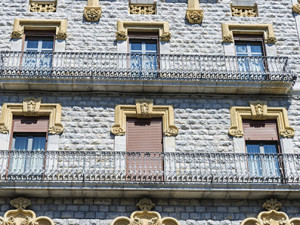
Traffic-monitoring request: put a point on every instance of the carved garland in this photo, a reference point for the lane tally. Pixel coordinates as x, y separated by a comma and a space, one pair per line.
92, 12
42, 7
31, 107
145, 217
20, 25
194, 14
147, 9
266, 29
20, 216
272, 216
162, 27
296, 8
144, 108
259, 111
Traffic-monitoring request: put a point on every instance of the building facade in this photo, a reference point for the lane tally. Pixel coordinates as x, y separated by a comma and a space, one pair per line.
185, 110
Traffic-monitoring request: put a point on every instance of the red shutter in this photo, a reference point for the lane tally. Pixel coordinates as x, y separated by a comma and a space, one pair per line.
260, 130
30, 124
144, 135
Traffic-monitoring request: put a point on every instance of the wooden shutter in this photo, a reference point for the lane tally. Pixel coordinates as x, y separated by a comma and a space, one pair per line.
30, 124
260, 130
144, 135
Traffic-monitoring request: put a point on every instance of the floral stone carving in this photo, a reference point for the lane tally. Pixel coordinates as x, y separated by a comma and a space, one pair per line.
194, 15
272, 216
92, 14
21, 216
296, 8
145, 217
40, 7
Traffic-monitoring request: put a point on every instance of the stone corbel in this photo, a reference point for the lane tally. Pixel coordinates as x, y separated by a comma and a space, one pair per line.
194, 14
296, 8
92, 12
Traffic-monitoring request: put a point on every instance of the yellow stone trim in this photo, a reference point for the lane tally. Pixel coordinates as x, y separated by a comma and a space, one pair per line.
296, 8
194, 14
144, 9
145, 217
92, 12
271, 217
144, 108
228, 29
21, 216
31, 107
42, 6
60, 26
259, 111
143, 26
244, 11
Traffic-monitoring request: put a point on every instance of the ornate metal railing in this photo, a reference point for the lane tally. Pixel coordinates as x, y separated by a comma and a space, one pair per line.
98, 166
70, 65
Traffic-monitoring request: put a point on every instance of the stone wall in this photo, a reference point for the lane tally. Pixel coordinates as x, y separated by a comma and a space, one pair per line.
203, 120
73, 211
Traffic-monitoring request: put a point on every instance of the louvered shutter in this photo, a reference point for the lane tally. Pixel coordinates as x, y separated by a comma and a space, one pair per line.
260, 130
30, 124
144, 135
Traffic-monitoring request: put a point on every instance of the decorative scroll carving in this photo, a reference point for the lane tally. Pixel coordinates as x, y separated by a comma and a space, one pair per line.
21, 216
265, 29
92, 14
194, 14
145, 217
162, 27
272, 216
144, 108
259, 111
148, 9
41, 24
244, 11
42, 7
296, 8
31, 107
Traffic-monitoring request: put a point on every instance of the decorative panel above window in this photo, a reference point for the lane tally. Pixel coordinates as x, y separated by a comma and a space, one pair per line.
259, 111
42, 5
31, 107
58, 26
138, 8
244, 11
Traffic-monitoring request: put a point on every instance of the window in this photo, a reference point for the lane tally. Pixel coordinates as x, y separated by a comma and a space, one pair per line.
251, 52
144, 149
28, 145
38, 50
262, 144
143, 49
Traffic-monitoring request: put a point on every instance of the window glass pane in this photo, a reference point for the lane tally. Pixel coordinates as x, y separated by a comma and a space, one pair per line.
252, 148
256, 49
135, 46
241, 49
47, 44
39, 143
151, 47
21, 143
32, 43
270, 149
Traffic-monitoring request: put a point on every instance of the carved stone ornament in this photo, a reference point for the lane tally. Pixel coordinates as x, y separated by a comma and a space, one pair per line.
145, 217
194, 15
20, 216
61, 35
42, 7
17, 34
31, 107
296, 8
272, 216
244, 11
147, 9
144, 108
161, 26
259, 110
145, 204
92, 14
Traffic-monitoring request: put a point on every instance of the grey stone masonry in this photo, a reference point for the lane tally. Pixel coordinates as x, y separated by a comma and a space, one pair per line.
203, 120
69, 211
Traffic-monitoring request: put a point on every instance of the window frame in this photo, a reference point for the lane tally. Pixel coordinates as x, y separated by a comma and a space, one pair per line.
250, 38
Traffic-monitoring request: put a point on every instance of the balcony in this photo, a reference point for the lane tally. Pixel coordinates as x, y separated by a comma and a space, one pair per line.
62, 71
117, 174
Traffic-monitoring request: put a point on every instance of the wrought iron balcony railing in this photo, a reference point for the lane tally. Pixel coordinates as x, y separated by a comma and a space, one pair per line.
79, 65
121, 167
